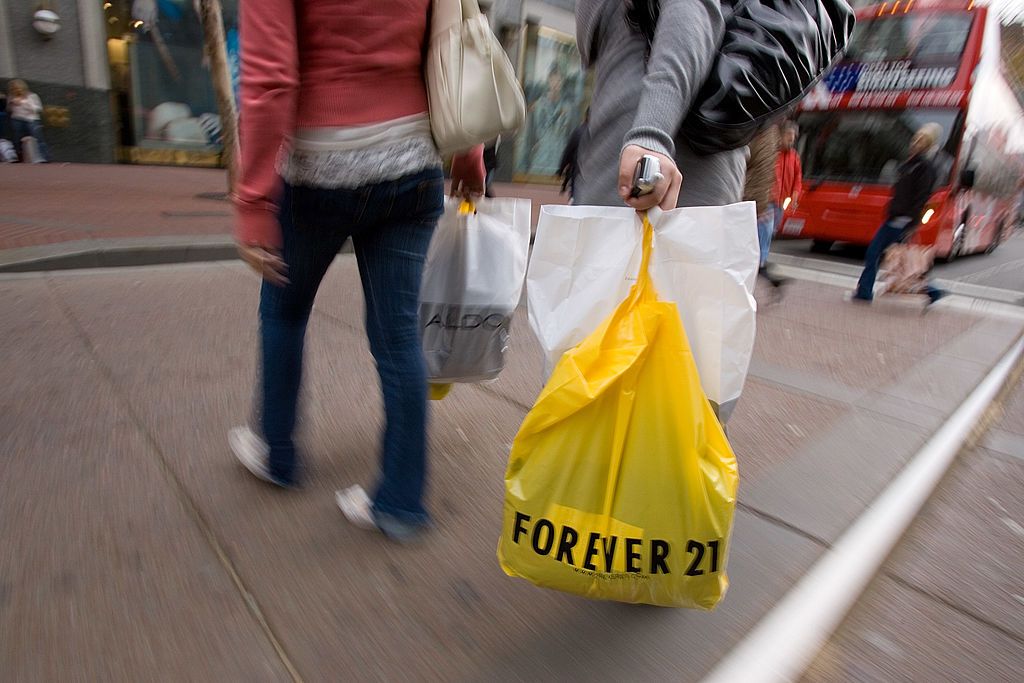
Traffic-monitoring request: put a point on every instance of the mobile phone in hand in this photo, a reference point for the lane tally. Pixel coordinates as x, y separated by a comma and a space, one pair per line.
646, 176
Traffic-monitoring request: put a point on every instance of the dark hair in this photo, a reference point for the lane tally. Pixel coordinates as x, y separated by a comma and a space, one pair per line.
642, 17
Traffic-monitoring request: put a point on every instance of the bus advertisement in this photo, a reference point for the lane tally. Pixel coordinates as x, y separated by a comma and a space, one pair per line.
911, 63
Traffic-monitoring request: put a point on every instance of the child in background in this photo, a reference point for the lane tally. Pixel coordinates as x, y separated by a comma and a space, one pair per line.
24, 108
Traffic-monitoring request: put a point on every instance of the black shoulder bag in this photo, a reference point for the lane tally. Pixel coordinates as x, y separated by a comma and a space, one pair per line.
772, 54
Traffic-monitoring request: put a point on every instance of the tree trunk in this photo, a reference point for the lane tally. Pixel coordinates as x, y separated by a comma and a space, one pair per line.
220, 73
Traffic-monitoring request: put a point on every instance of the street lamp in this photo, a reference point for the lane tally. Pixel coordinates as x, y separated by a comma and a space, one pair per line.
46, 22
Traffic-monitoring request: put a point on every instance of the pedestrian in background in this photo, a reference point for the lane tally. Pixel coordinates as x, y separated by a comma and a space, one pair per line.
645, 81
3, 115
25, 109
788, 175
567, 166
349, 94
915, 183
760, 188
490, 164
7, 153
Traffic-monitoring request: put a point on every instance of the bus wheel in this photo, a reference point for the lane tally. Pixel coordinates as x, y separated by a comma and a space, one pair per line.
821, 246
996, 241
956, 250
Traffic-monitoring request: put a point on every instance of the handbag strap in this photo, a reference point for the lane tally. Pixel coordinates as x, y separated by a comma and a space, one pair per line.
470, 9
449, 13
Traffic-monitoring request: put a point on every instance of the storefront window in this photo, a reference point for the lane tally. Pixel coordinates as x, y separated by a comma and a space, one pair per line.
555, 89
161, 75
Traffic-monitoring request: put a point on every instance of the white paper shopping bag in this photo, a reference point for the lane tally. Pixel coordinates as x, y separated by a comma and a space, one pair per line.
705, 259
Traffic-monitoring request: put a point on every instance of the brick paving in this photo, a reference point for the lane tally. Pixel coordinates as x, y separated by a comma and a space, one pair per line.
55, 203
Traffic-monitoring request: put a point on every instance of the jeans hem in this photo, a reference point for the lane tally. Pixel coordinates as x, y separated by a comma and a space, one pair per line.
419, 519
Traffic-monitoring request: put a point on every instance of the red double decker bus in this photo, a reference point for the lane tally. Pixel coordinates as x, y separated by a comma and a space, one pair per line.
911, 63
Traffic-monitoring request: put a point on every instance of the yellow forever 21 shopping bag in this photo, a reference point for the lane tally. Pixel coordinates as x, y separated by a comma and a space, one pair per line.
621, 484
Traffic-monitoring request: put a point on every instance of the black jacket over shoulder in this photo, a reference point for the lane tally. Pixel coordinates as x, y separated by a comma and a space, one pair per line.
913, 187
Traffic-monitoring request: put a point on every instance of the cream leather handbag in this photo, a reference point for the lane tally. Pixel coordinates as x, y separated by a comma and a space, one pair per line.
472, 88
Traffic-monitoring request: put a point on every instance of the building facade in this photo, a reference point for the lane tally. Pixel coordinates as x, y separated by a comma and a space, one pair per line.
540, 39
68, 71
160, 78
128, 81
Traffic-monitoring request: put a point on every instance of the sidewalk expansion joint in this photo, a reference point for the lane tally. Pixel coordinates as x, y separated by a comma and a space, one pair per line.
340, 322
782, 524
502, 397
784, 642
184, 497
928, 595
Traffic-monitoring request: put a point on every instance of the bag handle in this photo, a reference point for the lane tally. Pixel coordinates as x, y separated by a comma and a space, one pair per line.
447, 14
643, 290
470, 9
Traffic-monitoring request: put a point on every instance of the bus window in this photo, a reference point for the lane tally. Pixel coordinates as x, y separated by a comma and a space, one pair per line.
867, 146
926, 39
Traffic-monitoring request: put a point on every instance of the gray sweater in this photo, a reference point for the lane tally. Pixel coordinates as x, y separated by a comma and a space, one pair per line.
645, 104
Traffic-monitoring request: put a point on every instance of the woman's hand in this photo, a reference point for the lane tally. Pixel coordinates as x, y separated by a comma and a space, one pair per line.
468, 173
665, 193
267, 262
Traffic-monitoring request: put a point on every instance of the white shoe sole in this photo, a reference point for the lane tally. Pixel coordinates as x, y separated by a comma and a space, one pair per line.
250, 450
356, 506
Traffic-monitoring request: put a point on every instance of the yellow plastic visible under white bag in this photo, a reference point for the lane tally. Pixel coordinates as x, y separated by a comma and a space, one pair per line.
621, 484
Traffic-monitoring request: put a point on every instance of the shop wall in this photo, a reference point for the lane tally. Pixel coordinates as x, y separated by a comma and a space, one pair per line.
57, 60
161, 81
559, 15
540, 36
78, 122
556, 91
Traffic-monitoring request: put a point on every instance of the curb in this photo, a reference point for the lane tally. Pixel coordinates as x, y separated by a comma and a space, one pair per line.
786, 640
960, 302
122, 253
849, 270
117, 253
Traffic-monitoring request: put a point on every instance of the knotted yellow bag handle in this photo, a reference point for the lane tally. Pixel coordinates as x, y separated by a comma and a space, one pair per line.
643, 290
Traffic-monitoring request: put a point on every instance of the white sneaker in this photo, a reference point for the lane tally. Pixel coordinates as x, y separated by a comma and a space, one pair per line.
356, 506
252, 452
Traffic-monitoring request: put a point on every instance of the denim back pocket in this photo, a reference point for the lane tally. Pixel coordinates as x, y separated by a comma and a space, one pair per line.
429, 193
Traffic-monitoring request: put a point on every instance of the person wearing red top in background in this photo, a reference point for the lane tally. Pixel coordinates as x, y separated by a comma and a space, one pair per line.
336, 144
788, 175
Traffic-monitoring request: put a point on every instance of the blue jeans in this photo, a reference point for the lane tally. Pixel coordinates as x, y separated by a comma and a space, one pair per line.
887, 235
29, 129
767, 225
390, 224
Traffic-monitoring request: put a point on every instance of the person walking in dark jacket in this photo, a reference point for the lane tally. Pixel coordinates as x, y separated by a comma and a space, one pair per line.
567, 166
914, 185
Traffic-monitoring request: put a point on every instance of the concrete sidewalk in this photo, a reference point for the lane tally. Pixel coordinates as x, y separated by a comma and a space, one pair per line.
136, 548
57, 216
956, 578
